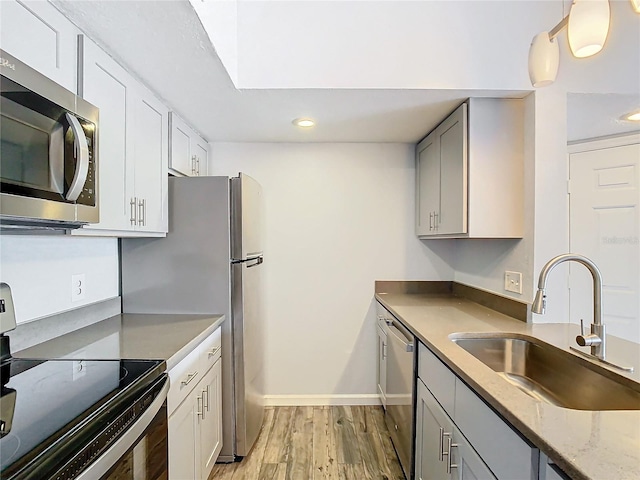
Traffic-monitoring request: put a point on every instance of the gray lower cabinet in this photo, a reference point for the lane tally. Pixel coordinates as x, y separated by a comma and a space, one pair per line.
458, 436
442, 452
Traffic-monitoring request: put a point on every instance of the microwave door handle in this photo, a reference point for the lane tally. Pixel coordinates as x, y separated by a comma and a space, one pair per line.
82, 159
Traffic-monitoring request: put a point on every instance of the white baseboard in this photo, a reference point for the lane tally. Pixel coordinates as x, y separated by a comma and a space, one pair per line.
320, 400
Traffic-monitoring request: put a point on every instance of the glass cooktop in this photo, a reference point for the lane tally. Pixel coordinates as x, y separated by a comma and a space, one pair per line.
44, 403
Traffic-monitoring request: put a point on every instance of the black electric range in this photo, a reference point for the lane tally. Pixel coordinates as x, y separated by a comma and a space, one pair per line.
59, 416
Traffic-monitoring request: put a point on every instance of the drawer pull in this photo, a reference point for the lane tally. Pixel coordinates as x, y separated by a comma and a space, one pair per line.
441, 445
211, 353
190, 376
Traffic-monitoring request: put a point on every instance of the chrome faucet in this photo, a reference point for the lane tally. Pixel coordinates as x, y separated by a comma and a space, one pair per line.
596, 339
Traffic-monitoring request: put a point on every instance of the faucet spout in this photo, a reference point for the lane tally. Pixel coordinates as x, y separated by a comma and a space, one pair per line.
596, 340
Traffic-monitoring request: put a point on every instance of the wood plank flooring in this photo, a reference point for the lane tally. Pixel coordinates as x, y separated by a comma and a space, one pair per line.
317, 443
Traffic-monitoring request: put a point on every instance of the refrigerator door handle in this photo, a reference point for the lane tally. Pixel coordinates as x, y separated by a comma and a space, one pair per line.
258, 261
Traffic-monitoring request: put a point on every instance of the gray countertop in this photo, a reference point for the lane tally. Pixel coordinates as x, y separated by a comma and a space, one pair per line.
168, 337
600, 445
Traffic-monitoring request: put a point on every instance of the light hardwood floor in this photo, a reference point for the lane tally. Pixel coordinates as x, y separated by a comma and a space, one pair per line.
317, 443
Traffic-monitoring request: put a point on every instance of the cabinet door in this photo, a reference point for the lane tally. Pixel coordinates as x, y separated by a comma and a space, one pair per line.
452, 134
151, 139
210, 423
200, 149
427, 184
181, 160
466, 464
182, 440
431, 426
40, 36
106, 84
382, 366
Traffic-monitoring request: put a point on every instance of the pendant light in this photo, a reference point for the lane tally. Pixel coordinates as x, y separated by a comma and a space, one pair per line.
588, 26
544, 58
636, 5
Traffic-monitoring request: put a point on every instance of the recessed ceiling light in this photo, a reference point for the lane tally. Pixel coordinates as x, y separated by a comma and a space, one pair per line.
632, 116
303, 122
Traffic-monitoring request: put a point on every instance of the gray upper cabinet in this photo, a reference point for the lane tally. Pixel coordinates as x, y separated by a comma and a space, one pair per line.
470, 173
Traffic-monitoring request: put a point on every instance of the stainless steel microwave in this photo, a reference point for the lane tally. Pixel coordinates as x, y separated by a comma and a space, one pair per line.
48, 152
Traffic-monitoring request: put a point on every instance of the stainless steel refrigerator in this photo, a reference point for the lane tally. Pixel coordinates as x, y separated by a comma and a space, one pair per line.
211, 262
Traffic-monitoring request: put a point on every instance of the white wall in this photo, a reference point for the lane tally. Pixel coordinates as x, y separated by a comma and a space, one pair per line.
38, 268
338, 217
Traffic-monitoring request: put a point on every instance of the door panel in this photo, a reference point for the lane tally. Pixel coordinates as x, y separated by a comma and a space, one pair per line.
604, 226
428, 185
107, 86
453, 175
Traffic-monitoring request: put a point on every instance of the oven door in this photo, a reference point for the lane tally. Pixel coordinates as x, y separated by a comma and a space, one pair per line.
142, 450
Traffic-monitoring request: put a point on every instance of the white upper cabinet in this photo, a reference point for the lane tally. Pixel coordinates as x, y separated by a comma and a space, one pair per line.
132, 149
189, 151
151, 151
40, 36
470, 173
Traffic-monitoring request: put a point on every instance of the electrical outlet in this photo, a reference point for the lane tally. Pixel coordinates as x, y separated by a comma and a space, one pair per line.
513, 282
78, 287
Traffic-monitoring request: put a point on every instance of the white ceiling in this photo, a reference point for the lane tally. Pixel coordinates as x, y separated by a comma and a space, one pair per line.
164, 43
599, 115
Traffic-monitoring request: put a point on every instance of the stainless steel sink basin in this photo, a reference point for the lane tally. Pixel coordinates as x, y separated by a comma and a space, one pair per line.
552, 375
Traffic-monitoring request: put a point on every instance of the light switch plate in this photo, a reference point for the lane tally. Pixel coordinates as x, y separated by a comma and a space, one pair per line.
513, 282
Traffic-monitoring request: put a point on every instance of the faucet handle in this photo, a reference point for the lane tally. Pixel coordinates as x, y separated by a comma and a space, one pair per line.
582, 327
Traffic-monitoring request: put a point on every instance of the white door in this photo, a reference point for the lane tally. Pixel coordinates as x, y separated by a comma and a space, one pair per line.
210, 435
182, 440
604, 226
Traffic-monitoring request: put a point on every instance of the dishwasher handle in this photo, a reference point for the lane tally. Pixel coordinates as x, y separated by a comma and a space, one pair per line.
398, 331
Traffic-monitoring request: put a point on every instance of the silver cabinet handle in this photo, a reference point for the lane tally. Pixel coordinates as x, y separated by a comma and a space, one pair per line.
82, 159
208, 393
140, 212
132, 203
441, 445
450, 444
430, 220
198, 166
384, 350
144, 212
200, 409
190, 377
436, 220
212, 352
193, 165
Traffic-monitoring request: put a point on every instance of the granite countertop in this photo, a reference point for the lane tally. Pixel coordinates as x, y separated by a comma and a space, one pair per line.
585, 444
168, 337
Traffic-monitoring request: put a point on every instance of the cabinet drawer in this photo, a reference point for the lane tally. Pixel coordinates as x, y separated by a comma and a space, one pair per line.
210, 350
507, 454
183, 377
438, 378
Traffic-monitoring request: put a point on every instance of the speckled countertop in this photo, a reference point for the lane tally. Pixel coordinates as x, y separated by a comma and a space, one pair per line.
598, 445
168, 337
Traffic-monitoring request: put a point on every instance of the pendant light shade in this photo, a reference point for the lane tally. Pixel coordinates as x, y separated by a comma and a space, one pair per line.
636, 5
588, 26
544, 58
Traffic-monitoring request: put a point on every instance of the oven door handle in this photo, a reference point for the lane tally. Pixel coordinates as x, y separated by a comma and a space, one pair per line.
82, 161
109, 458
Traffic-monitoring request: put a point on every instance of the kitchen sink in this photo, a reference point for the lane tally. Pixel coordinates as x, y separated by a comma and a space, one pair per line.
551, 375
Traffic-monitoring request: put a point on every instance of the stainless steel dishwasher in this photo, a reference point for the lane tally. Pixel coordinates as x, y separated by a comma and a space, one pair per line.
400, 375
